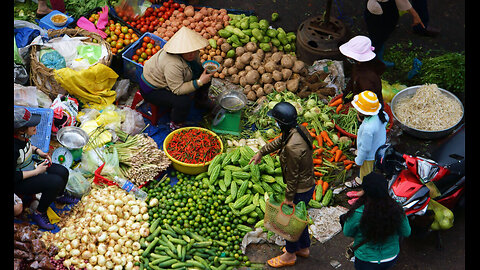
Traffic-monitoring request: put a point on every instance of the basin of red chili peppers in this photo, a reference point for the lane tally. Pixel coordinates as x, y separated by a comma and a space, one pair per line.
191, 149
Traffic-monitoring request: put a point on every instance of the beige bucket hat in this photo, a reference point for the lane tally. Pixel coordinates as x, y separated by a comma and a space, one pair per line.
185, 40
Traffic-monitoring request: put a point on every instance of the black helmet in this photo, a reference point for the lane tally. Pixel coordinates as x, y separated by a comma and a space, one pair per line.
388, 160
284, 113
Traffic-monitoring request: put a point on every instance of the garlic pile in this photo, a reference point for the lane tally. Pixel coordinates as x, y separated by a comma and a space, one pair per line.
102, 231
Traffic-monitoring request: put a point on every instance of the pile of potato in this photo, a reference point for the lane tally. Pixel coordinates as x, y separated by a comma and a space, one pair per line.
260, 73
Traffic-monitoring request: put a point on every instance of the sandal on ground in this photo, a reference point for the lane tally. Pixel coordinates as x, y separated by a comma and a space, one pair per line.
353, 194
277, 262
352, 201
353, 184
298, 253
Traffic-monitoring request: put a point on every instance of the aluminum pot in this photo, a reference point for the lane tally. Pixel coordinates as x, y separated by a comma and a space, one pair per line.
423, 134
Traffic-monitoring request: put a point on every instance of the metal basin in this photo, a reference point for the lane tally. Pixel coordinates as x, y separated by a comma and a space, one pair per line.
72, 137
232, 100
423, 134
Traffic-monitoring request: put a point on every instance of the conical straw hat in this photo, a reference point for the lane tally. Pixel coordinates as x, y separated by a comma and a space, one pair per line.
185, 40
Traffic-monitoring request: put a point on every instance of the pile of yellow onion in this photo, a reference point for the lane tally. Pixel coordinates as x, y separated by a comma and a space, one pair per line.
102, 231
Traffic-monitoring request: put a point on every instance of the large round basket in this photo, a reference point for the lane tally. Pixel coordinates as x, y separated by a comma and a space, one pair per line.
192, 169
43, 77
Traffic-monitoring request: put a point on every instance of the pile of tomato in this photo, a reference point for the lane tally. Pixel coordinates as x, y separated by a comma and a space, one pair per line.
153, 17
146, 51
119, 36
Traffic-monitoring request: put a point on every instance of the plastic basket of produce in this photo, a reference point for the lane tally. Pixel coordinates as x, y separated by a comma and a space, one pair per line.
141, 50
44, 129
289, 226
192, 149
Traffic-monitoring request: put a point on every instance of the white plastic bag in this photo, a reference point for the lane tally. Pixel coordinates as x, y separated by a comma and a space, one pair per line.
25, 95
133, 123
121, 88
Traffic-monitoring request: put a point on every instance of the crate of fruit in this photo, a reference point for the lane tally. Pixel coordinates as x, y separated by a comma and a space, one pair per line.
119, 35
141, 50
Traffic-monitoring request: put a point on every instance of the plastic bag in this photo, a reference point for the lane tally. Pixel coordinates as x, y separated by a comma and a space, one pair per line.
109, 118
52, 59
90, 160
65, 110
90, 52
97, 137
121, 88
130, 8
133, 123
111, 164
16, 54
77, 184
92, 86
25, 95
390, 90
20, 74
87, 115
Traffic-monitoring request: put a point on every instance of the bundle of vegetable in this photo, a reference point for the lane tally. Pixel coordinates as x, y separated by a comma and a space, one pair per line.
103, 230
344, 116
193, 146
139, 157
190, 226
243, 29
446, 70
206, 22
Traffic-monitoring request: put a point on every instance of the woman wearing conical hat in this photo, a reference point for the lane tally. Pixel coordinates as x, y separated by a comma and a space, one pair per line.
174, 78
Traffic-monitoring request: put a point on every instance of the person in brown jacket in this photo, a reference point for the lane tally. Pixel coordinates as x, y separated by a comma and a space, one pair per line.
174, 78
296, 160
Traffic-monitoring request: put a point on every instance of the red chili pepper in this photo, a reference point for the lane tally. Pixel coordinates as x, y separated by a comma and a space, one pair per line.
193, 146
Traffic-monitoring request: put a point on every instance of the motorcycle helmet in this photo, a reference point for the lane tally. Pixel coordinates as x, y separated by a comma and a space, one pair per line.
284, 113
388, 160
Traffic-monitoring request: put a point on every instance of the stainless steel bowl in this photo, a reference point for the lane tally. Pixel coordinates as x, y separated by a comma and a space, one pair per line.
423, 134
232, 100
72, 137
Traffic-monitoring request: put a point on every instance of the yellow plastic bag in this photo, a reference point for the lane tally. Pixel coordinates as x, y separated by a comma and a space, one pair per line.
109, 117
99, 139
91, 86
52, 216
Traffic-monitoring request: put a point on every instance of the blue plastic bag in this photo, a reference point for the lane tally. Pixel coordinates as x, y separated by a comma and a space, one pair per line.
25, 35
53, 59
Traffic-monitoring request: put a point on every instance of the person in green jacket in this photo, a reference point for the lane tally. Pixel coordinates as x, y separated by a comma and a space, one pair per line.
380, 220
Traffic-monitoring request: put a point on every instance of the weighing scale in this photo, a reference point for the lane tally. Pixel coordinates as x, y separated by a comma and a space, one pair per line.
73, 139
227, 119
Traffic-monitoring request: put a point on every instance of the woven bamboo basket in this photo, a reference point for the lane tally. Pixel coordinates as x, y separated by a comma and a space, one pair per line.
43, 77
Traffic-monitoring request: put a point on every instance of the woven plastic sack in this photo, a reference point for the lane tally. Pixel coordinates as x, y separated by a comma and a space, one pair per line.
289, 226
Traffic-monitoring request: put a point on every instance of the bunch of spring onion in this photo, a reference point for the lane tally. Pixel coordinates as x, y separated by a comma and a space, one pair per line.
139, 157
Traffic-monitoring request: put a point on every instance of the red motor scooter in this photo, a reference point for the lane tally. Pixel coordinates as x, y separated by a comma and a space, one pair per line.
414, 180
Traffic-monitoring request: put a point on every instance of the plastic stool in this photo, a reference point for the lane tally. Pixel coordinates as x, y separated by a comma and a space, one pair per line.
153, 116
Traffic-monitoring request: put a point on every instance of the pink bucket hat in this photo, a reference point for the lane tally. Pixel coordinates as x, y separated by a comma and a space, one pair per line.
359, 48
